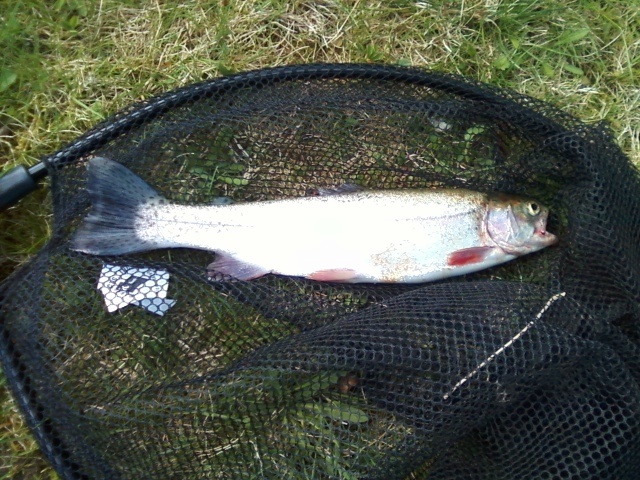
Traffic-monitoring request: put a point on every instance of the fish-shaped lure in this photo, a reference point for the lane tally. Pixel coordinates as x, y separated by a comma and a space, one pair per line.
399, 236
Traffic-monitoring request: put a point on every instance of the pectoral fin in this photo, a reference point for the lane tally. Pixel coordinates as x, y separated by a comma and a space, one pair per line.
227, 265
469, 256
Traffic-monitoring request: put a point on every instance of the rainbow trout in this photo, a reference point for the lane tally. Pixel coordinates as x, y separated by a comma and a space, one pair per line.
399, 236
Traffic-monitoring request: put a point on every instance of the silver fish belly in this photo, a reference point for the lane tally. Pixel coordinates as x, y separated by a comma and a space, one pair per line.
404, 236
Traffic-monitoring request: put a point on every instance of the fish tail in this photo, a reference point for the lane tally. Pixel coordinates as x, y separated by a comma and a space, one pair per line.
120, 199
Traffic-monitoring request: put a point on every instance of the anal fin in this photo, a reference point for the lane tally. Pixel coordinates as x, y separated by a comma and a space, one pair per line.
228, 265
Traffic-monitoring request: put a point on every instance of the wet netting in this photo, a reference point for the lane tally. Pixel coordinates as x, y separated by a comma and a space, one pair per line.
528, 370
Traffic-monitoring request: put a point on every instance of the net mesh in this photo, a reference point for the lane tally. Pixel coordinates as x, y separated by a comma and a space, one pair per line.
526, 370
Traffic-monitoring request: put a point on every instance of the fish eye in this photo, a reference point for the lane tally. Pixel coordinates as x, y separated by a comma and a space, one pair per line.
533, 208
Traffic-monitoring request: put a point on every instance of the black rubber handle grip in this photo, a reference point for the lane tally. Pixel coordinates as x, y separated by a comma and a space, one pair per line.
19, 182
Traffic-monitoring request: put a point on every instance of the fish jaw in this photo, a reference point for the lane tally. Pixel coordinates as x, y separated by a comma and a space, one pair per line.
540, 240
541, 236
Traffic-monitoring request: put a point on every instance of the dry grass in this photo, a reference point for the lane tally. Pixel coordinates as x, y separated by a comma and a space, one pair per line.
69, 64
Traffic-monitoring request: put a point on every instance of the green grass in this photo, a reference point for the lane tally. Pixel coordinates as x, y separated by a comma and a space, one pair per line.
65, 65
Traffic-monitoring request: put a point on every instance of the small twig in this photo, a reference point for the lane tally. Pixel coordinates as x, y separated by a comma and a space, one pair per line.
550, 302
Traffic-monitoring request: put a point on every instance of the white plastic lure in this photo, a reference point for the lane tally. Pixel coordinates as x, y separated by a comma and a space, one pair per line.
398, 236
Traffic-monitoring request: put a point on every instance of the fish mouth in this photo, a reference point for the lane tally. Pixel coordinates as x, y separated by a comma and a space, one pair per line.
545, 238
540, 232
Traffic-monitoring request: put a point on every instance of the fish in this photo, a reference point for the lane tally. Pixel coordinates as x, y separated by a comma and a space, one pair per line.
344, 234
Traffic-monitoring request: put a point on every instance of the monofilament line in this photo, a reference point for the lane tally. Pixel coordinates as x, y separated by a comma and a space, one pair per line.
550, 302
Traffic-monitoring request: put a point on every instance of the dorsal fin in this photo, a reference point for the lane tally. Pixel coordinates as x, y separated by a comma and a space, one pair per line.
339, 189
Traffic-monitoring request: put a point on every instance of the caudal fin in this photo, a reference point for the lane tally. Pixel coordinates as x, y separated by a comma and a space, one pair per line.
118, 196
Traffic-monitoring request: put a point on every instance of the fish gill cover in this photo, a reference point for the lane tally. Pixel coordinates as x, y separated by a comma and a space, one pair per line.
526, 370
